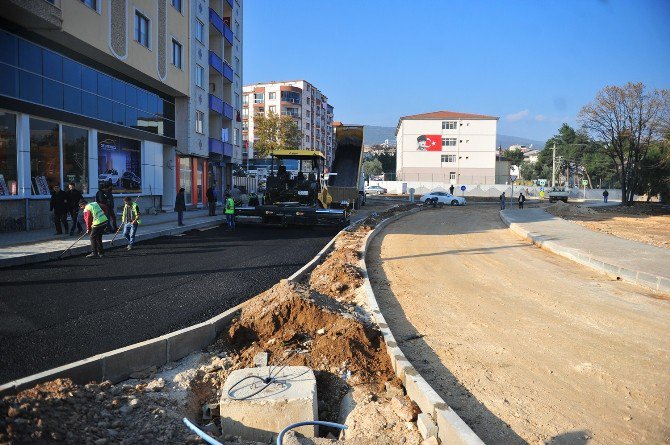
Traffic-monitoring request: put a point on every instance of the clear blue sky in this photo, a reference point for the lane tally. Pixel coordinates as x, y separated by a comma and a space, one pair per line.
533, 63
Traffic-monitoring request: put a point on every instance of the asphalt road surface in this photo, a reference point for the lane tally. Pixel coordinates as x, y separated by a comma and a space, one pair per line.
57, 312
526, 346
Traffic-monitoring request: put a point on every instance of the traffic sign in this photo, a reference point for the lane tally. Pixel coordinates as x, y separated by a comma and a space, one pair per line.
585, 182
512, 178
541, 189
462, 188
542, 182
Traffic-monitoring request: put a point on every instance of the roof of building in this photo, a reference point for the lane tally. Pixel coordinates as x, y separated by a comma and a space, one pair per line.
448, 115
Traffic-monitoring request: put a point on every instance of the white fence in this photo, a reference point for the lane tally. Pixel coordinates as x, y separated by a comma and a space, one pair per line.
485, 190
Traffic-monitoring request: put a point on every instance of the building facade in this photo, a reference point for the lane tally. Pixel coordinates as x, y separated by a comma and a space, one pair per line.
100, 91
299, 99
446, 146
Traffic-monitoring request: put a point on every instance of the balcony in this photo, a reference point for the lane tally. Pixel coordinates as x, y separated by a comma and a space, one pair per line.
227, 72
216, 104
228, 111
219, 147
230, 2
216, 62
228, 34
216, 21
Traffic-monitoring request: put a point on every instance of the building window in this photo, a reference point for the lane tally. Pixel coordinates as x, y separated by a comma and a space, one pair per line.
307, 125
291, 96
245, 99
245, 113
236, 136
452, 175
259, 98
309, 113
290, 112
199, 75
448, 158
273, 109
93, 4
272, 96
199, 31
449, 125
237, 64
237, 29
448, 142
260, 112
237, 101
245, 126
8, 155
199, 118
176, 53
44, 156
141, 29
177, 5
308, 101
306, 138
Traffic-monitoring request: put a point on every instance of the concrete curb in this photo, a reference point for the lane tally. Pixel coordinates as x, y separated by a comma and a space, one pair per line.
654, 282
451, 428
84, 246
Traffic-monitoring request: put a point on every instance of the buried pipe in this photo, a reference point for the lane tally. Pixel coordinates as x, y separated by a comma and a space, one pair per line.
280, 439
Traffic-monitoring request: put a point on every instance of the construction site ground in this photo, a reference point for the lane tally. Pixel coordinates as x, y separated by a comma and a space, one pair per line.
647, 223
320, 322
526, 346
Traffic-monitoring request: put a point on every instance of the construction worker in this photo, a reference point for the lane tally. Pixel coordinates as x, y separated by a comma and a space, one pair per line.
229, 210
130, 219
96, 222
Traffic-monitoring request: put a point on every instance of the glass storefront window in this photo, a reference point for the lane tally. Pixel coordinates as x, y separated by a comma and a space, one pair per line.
44, 156
119, 163
8, 172
198, 179
185, 178
75, 157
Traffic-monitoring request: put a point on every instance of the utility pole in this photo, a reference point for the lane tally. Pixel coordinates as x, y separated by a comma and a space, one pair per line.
553, 166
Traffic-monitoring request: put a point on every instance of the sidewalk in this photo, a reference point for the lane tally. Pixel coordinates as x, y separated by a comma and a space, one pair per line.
630, 261
34, 246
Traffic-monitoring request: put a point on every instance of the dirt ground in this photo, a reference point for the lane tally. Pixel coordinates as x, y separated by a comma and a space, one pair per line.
527, 347
320, 323
644, 222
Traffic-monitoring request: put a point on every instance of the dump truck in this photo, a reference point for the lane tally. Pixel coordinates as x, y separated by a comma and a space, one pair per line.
559, 194
301, 199
344, 177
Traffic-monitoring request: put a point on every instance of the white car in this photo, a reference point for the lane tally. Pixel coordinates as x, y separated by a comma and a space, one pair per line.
375, 190
443, 198
110, 176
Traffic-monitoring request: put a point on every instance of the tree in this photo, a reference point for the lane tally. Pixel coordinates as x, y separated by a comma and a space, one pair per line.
275, 132
372, 167
515, 156
655, 174
627, 120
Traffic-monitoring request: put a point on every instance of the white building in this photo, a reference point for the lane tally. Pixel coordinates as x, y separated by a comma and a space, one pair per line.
296, 98
447, 146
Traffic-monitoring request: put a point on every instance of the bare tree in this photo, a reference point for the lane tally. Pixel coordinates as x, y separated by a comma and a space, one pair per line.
275, 132
626, 120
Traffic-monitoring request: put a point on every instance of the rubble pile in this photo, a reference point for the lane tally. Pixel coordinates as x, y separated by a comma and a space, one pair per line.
311, 324
567, 210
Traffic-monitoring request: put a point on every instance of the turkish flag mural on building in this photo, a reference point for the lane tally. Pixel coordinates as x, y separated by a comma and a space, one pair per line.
429, 142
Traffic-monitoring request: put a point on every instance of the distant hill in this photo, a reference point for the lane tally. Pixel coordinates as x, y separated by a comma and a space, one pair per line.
506, 141
377, 135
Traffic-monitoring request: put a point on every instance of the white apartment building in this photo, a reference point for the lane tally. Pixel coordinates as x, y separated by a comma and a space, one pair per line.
447, 146
296, 98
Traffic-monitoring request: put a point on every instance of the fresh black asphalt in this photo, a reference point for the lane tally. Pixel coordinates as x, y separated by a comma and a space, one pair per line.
57, 312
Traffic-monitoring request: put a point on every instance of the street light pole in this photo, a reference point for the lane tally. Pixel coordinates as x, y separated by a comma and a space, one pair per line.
553, 166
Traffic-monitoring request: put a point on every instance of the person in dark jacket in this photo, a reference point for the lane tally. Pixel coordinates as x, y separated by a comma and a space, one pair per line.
73, 197
101, 198
180, 206
522, 199
58, 205
605, 195
109, 202
211, 200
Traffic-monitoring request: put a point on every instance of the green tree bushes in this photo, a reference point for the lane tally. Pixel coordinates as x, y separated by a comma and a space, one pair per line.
275, 132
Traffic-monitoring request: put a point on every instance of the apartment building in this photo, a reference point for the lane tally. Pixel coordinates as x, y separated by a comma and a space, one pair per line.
99, 91
447, 146
299, 99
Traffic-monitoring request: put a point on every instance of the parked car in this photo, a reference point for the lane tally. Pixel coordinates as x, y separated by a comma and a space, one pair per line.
375, 190
130, 181
443, 198
111, 176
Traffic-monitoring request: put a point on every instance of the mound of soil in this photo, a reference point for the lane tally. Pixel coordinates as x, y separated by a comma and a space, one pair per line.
567, 210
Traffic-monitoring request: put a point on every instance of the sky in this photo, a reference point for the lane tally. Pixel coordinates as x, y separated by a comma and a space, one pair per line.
532, 63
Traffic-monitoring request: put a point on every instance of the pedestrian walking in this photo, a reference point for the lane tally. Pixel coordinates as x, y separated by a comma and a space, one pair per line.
180, 206
605, 195
229, 210
502, 201
109, 202
96, 222
211, 200
522, 199
58, 205
101, 199
451, 189
130, 218
73, 197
